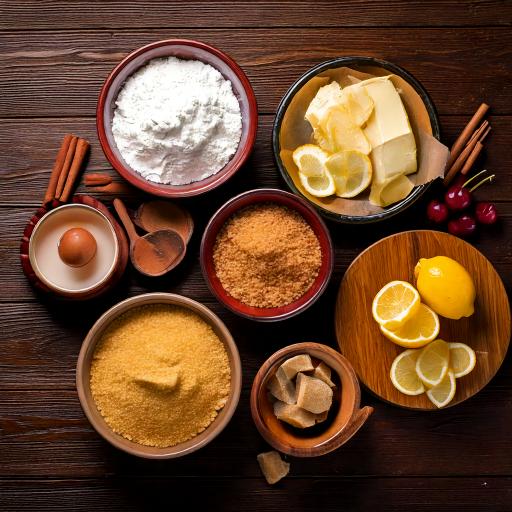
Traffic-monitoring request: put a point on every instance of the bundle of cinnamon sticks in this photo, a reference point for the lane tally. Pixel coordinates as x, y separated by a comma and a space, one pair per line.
468, 145
66, 169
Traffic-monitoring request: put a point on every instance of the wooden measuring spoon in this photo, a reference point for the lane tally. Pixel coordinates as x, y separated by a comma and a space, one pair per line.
155, 215
155, 253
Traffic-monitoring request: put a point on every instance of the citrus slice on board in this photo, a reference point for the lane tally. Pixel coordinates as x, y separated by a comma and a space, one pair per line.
432, 363
417, 331
319, 186
403, 373
351, 171
310, 160
462, 359
395, 303
442, 394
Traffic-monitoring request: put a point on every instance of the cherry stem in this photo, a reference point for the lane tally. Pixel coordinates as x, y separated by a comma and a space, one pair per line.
471, 179
489, 178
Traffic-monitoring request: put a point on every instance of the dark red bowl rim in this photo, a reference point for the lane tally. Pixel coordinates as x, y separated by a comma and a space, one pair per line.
266, 195
195, 188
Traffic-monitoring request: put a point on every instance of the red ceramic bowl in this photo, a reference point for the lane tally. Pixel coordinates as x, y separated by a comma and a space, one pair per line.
184, 49
251, 198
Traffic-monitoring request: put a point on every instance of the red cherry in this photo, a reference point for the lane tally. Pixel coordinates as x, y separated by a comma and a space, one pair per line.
464, 226
437, 212
457, 198
486, 213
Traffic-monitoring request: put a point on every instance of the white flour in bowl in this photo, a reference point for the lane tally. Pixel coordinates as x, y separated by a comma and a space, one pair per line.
177, 121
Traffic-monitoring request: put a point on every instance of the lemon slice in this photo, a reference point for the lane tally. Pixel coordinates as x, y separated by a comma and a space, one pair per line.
319, 186
418, 330
442, 394
403, 373
462, 359
432, 363
343, 132
351, 171
395, 303
310, 159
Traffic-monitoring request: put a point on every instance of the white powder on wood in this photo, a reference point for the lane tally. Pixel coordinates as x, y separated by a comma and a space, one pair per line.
177, 121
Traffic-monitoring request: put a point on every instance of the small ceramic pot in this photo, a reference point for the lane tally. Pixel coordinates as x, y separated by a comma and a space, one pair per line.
345, 418
83, 377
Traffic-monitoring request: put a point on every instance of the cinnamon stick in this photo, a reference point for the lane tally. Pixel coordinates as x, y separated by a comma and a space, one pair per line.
82, 147
464, 137
472, 158
479, 131
65, 167
97, 179
57, 168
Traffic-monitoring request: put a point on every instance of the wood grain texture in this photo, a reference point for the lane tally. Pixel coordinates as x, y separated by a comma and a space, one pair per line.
43, 73
61, 14
487, 331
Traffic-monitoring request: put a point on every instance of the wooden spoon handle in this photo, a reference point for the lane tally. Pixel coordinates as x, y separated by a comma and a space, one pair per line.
125, 219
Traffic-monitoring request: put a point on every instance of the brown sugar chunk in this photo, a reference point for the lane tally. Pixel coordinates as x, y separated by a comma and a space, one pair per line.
282, 389
323, 372
296, 364
294, 415
272, 466
319, 418
313, 394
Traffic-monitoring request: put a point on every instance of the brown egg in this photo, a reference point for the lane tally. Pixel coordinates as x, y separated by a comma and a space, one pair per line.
77, 247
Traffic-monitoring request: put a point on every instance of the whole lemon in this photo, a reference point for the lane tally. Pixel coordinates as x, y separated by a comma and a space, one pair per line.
446, 286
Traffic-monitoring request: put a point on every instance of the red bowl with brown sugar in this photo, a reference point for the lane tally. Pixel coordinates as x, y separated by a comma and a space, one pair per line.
183, 49
281, 198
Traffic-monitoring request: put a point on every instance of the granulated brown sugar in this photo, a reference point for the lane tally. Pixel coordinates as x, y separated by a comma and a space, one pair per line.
159, 375
267, 256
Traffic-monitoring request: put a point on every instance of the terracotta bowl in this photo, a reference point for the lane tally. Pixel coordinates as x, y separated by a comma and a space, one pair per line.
184, 49
422, 116
250, 198
345, 417
89, 406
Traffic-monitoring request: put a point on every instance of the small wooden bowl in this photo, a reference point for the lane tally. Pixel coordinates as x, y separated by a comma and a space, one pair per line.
89, 406
183, 49
348, 416
251, 198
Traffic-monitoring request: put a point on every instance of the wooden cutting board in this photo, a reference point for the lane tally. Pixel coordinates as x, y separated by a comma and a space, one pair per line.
487, 331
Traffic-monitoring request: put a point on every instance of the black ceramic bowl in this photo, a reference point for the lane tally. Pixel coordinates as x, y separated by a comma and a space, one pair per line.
358, 63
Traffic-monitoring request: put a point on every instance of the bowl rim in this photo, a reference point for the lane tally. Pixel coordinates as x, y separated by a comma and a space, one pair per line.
164, 190
97, 421
277, 357
260, 195
393, 210
42, 277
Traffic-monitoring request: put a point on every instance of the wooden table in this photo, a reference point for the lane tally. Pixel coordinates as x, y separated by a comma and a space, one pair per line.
54, 56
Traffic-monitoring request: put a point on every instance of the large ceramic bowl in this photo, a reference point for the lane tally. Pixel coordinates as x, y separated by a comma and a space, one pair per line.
251, 198
84, 367
422, 115
183, 49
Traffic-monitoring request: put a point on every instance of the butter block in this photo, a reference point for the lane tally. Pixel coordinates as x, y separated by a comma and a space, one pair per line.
390, 191
323, 372
326, 97
294, 415
358, 102
394, 157
313, 394
296, 364
272, 466
282, 388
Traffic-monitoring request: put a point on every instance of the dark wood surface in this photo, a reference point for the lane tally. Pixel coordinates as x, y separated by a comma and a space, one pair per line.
54, 56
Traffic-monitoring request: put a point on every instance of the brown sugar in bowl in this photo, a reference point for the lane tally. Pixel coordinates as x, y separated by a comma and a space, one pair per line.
345, 418
183, 49
281, 198
87, 400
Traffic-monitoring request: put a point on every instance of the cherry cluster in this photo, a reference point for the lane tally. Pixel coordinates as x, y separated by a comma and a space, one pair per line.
456, 208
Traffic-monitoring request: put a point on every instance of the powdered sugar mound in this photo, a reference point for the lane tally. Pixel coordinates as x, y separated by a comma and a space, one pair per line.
177, 121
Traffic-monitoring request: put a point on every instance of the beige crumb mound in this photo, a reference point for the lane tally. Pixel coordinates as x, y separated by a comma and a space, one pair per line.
159, 375
267, 256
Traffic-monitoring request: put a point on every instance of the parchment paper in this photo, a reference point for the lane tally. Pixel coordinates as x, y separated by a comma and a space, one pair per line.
295, 131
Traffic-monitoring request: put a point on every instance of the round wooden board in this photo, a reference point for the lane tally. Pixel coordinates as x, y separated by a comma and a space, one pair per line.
487, 331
